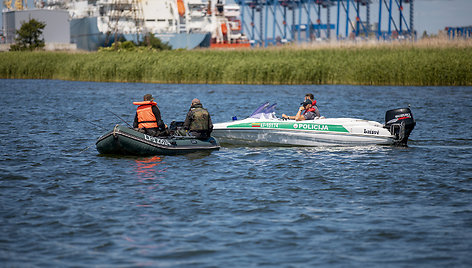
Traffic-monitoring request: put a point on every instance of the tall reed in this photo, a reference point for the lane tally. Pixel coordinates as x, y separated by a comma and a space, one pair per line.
385, 65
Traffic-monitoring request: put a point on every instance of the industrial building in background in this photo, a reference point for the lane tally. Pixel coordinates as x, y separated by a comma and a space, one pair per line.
56, 34
187, 24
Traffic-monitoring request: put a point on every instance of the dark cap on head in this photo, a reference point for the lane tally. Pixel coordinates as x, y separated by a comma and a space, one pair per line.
305, 103
148, 97
310, 96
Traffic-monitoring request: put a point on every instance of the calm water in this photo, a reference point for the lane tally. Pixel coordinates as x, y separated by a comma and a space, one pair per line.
62, 204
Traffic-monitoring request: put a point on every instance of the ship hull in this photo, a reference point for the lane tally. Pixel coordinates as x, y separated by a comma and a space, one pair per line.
86, 35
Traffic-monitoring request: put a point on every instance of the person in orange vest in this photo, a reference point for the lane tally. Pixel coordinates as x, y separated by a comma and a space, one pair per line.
305, 108
314, 107
148, 117
309, 109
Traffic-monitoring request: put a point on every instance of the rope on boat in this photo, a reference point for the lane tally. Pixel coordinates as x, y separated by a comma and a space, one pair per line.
115, 131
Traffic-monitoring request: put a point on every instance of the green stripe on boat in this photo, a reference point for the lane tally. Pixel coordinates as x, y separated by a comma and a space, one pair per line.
289, 125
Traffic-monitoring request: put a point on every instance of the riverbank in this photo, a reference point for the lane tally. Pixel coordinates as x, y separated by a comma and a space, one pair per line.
377, 65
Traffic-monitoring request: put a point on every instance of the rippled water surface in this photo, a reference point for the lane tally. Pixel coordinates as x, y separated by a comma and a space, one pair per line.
63, 204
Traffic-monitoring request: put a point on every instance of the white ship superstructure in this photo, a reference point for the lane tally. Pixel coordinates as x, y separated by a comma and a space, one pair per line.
182, 23
113, 16
171, 16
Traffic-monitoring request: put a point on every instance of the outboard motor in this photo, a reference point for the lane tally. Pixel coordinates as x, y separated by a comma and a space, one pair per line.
176, 128
400, 122
176, 125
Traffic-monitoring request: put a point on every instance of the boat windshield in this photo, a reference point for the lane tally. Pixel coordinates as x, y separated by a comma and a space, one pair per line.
265, 111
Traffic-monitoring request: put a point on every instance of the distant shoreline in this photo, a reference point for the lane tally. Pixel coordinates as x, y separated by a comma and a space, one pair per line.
401, 64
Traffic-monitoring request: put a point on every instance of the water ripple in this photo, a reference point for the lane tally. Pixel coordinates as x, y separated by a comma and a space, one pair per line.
64, 205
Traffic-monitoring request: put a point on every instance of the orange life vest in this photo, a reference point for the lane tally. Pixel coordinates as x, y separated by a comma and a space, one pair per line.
312, 109
146, 118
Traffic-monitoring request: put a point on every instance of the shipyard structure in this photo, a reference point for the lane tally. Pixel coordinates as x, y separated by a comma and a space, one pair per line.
270, 22
183, 24
188, 24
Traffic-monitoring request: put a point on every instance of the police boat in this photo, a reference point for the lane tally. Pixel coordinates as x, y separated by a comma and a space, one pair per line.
126, 141
263, 128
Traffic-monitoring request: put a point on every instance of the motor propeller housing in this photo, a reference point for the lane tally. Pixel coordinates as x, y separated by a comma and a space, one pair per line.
400, 122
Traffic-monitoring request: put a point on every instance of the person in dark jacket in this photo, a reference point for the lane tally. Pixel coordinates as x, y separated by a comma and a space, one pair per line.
148, 117
198, 121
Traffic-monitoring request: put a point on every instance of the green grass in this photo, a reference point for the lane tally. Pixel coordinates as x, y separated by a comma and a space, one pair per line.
450, 66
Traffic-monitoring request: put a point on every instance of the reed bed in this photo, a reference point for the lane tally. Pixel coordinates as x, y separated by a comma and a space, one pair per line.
356, 65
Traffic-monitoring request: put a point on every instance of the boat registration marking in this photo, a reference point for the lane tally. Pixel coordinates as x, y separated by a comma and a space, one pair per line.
157, 140
299, 126
270, 125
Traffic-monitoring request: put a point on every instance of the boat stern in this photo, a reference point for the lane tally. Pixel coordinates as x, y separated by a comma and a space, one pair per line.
400, 123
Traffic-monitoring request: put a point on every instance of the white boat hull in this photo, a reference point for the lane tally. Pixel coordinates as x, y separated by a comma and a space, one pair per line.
318, 132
